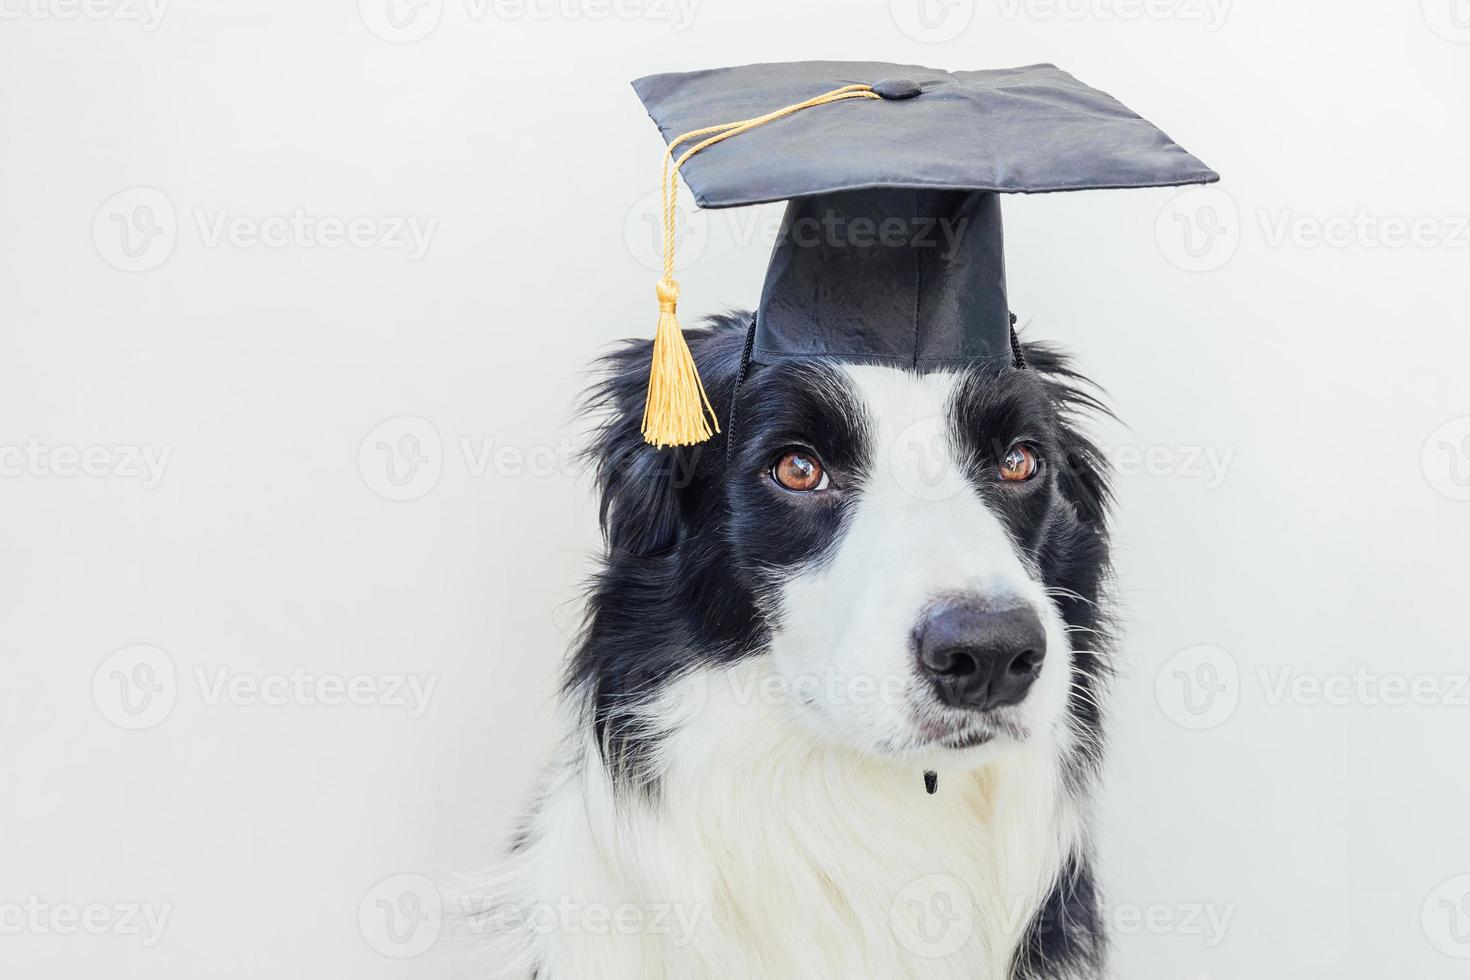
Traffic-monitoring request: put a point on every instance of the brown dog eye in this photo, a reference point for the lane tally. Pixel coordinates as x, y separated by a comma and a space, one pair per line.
799, 471
1019, 464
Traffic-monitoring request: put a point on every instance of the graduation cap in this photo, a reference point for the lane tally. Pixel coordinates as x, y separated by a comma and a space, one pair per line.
890, 250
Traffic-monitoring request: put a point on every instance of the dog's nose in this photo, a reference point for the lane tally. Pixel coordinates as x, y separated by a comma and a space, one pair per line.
980, 658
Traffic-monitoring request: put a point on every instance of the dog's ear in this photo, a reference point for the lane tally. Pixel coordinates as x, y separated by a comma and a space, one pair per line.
1084, 479
649, 496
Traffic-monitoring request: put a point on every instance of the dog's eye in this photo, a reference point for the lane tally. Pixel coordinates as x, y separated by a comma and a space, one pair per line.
1019, 464
799, 471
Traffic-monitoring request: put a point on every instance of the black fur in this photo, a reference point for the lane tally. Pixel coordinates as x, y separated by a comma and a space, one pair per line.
690, 533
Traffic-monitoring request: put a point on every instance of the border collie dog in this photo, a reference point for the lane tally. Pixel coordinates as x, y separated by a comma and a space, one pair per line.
835, 709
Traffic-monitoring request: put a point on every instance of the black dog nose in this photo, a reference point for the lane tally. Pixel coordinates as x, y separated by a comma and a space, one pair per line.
979, 658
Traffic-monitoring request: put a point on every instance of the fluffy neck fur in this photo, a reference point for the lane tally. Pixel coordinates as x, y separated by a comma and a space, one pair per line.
768, 853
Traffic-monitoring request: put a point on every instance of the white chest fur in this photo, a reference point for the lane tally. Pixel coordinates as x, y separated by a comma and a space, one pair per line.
769, 854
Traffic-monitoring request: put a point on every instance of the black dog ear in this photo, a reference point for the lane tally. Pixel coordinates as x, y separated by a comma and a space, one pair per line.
651, 497
1084, 479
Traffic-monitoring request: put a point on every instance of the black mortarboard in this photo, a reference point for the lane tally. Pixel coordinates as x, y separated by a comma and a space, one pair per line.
890, 249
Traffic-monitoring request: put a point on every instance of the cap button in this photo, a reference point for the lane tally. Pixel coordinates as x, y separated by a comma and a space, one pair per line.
897, 88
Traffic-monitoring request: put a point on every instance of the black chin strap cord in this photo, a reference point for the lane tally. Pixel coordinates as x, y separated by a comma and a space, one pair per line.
1018, 357
735, 395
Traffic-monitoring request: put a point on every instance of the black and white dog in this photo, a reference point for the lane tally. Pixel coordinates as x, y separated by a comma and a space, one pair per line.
891, 580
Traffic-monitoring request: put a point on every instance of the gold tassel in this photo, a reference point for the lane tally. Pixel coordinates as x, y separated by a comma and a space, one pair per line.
674, 413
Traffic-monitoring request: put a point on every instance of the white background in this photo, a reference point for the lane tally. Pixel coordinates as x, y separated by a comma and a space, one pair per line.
1280, 325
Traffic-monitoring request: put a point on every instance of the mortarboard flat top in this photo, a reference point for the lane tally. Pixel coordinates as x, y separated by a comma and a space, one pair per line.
1024, 130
